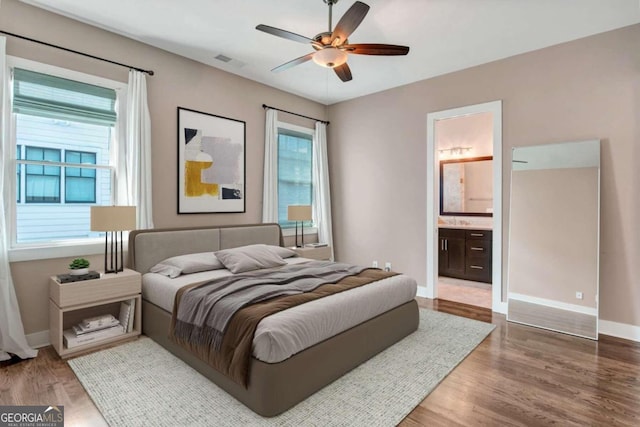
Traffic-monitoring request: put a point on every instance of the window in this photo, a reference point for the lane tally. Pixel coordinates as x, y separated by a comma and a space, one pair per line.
295, 178
64, 129
80, 183
42, 182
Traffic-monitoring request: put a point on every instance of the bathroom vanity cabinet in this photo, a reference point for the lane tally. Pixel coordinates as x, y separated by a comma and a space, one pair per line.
465, 254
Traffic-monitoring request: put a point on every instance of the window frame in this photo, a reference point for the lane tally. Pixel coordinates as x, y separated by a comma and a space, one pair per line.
313, 229
19, 174
59, 248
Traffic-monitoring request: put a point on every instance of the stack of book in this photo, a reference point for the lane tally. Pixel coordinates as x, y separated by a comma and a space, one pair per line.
92, 329
101, 327
316, 245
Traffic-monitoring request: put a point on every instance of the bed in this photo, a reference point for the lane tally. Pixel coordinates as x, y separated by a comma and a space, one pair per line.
278, 378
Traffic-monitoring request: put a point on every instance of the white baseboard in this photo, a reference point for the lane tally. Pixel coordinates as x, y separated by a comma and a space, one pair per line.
38, 339
501, 307
620, 330
422, 292
590, 311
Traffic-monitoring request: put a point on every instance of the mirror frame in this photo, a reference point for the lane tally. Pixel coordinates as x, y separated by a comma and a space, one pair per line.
462, 160
551, 311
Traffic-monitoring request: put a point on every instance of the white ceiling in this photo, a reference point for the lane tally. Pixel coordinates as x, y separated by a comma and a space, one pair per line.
444, 35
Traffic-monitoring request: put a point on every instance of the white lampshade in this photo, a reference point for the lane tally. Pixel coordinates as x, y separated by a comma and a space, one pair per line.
299, 213
330, 57
113, 218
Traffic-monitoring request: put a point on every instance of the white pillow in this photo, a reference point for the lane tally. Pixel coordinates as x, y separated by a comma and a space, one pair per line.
187, 264
252, 257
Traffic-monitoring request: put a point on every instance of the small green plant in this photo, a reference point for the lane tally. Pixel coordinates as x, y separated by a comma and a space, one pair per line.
79, 263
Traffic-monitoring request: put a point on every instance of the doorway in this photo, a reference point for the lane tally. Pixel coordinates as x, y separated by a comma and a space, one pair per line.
494, 110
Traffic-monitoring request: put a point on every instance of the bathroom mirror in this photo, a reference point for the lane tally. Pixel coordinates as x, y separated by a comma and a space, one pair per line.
554, 233
466, 186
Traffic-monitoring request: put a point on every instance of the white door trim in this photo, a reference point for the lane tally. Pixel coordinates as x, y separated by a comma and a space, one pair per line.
494, 107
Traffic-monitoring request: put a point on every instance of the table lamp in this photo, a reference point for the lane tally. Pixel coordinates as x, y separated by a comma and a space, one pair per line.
299, 213
111, 220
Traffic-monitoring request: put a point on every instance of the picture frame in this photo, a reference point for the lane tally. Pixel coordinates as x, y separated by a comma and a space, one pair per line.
211, 163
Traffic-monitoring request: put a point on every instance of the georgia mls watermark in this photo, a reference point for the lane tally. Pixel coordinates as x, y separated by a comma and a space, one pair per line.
31, 416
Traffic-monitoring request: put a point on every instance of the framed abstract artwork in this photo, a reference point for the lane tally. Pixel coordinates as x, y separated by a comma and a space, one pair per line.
211, 163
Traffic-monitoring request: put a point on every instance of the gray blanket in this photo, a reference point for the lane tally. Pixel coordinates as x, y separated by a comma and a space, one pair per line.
205, 310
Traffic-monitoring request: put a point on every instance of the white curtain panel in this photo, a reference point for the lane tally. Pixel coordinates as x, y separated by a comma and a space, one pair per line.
136, 149
12, 338
270, 186
321, 189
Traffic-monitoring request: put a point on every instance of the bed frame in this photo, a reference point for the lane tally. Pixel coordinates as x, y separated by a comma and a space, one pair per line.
272, 387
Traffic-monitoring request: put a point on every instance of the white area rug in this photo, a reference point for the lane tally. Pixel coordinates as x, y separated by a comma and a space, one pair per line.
141, 384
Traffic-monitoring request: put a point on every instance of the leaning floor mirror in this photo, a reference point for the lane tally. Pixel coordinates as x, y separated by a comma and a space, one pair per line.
554, 229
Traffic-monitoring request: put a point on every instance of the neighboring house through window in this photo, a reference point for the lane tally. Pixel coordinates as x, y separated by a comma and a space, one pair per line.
295, 177
63, 125
42, 183
80, 183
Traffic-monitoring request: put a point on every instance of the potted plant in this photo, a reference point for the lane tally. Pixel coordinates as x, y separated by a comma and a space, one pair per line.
78, 267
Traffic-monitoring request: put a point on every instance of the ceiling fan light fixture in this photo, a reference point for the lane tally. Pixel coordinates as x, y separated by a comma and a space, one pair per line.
330, 57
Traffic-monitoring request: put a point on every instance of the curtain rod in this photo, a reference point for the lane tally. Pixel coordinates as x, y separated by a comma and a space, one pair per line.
150, 72
295, 114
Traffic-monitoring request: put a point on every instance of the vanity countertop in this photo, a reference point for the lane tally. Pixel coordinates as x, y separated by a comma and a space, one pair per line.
466, 226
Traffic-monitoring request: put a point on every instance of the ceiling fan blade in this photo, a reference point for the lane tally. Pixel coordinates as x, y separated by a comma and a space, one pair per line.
344, 72
293, 62
283, 33
350, 21
375, 49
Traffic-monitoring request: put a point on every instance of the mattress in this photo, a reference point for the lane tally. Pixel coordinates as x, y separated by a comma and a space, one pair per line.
290, 331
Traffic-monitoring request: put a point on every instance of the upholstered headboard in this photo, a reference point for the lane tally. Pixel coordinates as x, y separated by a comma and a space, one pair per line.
149, 247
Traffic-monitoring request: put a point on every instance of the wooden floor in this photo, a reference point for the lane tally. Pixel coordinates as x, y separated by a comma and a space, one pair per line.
519, 376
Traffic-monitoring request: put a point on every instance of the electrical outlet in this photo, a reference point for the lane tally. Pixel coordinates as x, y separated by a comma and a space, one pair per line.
375, 264
387, 266
579, 295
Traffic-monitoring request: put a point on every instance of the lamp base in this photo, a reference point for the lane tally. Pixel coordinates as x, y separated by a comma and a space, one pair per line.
114, 267
302, 233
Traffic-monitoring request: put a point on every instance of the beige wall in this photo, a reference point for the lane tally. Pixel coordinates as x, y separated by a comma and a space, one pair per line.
586, 89
177, 82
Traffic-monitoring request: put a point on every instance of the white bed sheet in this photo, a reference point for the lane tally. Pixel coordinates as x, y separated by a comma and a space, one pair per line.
290, 331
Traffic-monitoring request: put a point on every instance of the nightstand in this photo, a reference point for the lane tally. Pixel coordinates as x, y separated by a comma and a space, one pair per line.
70, 303
320, 253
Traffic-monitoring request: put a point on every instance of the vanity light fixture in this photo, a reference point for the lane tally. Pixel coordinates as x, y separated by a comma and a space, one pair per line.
455, 151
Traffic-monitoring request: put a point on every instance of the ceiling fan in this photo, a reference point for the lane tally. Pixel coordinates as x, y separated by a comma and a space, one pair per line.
332, 47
